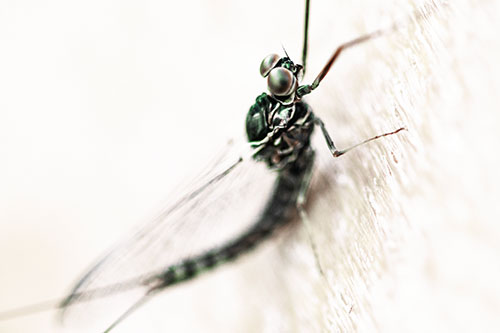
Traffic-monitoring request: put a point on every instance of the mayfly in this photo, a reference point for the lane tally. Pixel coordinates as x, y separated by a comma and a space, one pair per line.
279, 126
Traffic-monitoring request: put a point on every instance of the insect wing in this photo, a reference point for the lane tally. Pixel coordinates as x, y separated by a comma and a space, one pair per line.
224, 202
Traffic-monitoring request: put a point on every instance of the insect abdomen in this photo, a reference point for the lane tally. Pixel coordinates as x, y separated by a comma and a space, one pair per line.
279, 210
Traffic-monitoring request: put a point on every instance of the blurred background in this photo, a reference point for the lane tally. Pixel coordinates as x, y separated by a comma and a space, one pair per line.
106, 105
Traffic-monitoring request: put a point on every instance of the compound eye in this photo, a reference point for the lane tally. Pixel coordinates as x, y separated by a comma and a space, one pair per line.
268, 64
281, 81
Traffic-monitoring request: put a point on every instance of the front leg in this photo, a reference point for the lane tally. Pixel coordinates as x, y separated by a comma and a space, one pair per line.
269, 137
335, 152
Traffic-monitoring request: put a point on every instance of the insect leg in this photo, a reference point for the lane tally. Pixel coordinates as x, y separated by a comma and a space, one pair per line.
308, 88
338, 51
301, 199
335, 152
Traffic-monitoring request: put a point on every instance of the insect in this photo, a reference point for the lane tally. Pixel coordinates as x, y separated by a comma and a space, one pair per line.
279, 126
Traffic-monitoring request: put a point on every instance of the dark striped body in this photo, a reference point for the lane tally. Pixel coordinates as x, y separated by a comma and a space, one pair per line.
290, 153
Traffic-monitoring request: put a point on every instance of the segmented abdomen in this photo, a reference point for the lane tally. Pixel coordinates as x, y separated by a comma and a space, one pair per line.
279, 210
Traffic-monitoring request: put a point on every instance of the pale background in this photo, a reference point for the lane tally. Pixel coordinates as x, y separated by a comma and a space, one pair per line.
106, 105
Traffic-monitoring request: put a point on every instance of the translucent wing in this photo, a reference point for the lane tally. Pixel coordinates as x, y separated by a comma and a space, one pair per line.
225, 202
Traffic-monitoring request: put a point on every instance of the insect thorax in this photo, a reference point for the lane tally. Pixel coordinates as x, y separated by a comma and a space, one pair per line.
283, 130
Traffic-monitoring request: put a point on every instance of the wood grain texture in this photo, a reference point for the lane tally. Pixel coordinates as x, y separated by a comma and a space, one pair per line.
408, 231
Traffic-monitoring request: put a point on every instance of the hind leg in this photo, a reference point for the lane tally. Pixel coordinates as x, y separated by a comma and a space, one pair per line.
301, 200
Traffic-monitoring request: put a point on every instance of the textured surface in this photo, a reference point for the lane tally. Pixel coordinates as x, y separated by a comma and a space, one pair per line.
98, 99
413, 238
